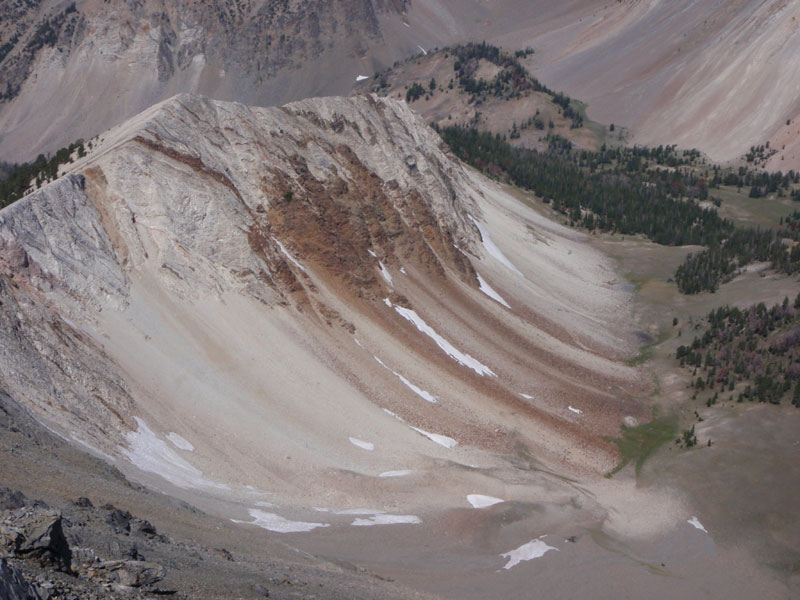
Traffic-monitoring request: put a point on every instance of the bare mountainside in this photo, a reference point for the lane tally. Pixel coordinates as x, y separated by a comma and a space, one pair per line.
290, 289
718, 76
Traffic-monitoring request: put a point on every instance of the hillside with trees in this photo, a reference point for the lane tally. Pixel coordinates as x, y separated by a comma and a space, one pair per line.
17, 180
661, 193
747, 355
479, 84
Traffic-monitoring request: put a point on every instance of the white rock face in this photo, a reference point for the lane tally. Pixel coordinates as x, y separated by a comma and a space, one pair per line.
206, 268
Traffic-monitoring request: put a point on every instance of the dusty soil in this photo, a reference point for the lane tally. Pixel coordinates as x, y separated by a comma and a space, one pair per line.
205, 556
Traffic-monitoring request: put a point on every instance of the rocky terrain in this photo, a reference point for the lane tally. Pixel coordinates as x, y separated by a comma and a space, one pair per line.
72, 545
127, 55
717, 76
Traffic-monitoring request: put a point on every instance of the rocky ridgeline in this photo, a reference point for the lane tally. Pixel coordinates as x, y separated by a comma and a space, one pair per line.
227, 190
229, 49
44, 556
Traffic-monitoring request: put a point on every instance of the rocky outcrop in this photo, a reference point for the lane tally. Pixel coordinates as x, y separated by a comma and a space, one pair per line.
33, 536
249, 50
35, 532
13, 585
127, 573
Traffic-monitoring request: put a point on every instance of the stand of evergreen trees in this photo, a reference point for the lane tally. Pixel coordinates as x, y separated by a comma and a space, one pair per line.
747, 355
706, 270
21, 177
617, 202
512, 81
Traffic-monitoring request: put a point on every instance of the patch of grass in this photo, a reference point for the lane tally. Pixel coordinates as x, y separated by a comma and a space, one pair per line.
656, 386
645, 354
639, 443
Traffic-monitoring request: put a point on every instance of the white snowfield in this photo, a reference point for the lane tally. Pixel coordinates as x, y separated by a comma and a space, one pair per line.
278, 524
384, 519
533, 549
577, 411
695, 522
399, 473
492, 248
359, 511
442, 440
362, 444
417, 390
489, 291
180, 442
385, 273
481, 501
460, 357
285, 252
153, 455
361, 78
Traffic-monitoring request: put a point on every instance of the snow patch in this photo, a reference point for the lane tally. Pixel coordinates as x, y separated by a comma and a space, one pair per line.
401, 473
695, 522
395, 415
442, 440
489, 291
276, 523
526, 396
529, 551
418, 391
492, 249
577, 411
403, 270
180, 442
360, 511
358, 343
289, 256
362, 444
153, 455
387, 520
385, 273
372, 254
481, 501
460, 357
424, 52
361, 78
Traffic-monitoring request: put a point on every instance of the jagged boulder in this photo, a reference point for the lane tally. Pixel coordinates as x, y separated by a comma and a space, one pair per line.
11, 499
127, 573
35, 532
13, 585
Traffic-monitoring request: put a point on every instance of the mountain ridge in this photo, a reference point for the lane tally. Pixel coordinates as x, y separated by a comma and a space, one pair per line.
199, 228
